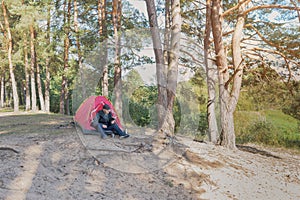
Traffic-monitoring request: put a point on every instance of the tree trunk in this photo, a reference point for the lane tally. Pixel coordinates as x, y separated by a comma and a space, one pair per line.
82, 79
39, 85
64, 85
166, 56
102, 15
2, 92
47, 81
38, 74
47, 86
228, 139
211, 77
32, 62
168, 126
161, 74
9, 52
237, 57
27, 74
117, 64
228, 95
222, 74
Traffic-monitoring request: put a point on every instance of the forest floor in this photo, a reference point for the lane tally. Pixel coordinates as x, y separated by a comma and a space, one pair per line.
46, 157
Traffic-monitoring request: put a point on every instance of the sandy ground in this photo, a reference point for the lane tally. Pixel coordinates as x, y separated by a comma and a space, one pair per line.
54, 161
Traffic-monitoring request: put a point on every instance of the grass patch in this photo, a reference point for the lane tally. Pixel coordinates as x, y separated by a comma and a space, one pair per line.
270, 127
6, 109
33, 123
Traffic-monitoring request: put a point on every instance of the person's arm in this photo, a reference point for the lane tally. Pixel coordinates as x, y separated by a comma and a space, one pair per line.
112, 120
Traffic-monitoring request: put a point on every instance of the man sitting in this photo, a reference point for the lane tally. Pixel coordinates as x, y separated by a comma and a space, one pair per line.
105, 121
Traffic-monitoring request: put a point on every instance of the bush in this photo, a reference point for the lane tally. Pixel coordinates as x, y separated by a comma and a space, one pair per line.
262, 131
139, 113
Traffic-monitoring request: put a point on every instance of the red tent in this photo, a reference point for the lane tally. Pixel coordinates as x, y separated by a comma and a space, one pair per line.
88, 110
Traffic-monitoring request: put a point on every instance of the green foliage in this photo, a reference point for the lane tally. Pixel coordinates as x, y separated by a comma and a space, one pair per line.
293, 108
141, 105
139, 113
262, 89
189, 110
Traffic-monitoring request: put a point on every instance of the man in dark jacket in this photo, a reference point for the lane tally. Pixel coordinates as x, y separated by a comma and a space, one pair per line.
105, 121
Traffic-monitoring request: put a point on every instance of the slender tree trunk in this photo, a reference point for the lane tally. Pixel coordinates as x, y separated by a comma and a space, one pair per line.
39, 85
166, 54
47, 86
168, 126
2, 77
64, 85
22, 95
32, 76
117, 64
27, 74
48, 75
2, 91
102, 15
211, 75
161, 74
82, 79
38, 74
167, 34
9, 52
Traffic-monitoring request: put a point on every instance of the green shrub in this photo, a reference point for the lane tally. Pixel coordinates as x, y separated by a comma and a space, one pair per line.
262, 131
270, 127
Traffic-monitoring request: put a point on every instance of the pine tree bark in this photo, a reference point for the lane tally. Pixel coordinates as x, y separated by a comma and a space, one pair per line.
228, 94
64, 97
79, 53
38, 74
9, 55
27, 74
117, 64
168, 126
223, 75
211, 78
32, 76
39, 85
102, 16
48, 75
2, 91
161, 73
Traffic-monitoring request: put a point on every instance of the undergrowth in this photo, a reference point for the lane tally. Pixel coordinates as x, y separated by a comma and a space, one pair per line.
271, 127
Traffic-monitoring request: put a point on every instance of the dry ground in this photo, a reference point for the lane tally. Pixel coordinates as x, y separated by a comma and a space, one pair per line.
45, 157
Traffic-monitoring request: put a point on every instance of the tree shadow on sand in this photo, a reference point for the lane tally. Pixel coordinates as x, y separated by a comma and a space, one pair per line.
256, 151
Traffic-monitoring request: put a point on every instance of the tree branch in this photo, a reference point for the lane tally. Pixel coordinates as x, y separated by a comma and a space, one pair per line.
286, 60
293, 2
270, 6
271, 43
192, 56
9, 149
227, 12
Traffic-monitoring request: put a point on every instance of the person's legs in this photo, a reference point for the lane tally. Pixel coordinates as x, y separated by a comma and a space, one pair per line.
101, 131
116, 128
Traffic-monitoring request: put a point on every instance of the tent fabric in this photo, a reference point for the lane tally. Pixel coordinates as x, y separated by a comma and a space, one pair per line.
88, 110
